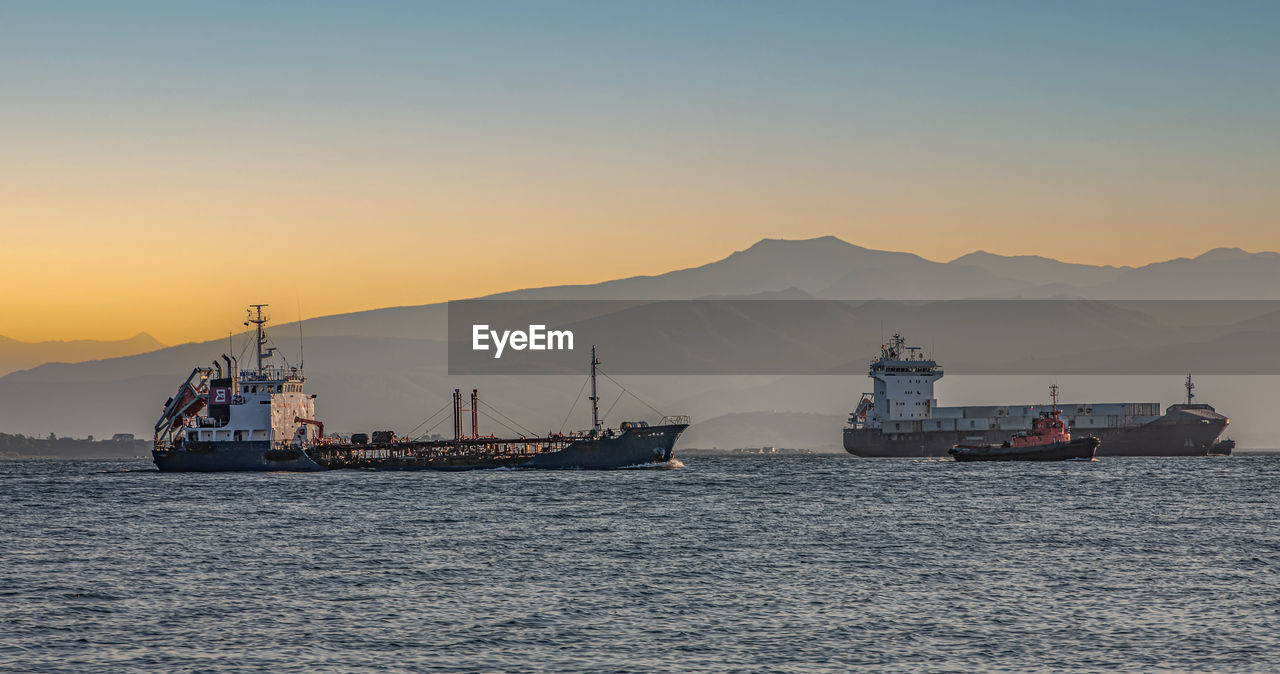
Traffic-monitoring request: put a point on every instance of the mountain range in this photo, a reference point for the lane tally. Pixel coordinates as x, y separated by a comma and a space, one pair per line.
386, 368
17, 355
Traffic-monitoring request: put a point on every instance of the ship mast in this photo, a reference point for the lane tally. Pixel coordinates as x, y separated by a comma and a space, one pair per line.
258, 320
1189, 386
1053, 393
595, 399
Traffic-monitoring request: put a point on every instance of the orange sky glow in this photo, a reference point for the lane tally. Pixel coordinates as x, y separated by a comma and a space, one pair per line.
163, 169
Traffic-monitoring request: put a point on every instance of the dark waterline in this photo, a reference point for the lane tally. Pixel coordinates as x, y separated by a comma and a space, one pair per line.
809, 563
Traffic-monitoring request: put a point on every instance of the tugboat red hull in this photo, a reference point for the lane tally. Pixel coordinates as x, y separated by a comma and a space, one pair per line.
1078, 448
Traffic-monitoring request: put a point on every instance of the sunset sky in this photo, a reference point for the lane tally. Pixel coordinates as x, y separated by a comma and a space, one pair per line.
165, 164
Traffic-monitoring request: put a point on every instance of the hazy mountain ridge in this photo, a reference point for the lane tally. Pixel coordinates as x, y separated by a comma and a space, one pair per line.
1253, 276
830, 268
387, 367
820, 267
18, 355
1040, 269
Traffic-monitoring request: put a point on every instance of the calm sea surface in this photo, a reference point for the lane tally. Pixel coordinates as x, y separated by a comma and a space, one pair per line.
824, 563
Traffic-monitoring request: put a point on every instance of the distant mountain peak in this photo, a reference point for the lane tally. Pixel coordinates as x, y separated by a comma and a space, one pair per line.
987, 255
140, 339
828, 240
982, 256
18, 355
144, 338
1228, 254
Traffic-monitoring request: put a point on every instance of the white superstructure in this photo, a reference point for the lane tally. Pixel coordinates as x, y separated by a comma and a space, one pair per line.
903, 389
266, 406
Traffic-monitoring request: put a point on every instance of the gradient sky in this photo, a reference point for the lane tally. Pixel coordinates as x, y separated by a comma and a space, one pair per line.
166, 163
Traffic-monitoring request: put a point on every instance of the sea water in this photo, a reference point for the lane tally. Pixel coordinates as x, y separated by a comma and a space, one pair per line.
805, 564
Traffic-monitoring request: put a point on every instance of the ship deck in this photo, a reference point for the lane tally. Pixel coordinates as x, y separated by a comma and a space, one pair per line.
461, 452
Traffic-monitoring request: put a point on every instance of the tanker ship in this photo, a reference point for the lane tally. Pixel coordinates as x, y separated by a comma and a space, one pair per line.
224, 418
901, 417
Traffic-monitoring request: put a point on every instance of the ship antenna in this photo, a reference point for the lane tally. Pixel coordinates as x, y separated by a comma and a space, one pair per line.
595, 399
1190, 386
302, 349
257, 321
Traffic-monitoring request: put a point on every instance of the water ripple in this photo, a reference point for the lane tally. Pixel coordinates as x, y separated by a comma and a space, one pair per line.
814, 564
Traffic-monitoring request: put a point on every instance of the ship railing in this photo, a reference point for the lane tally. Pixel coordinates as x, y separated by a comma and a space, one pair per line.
204, 422
921, 365
272, 373
674, 420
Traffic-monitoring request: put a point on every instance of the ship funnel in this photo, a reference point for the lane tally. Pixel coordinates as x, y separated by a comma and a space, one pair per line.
218, 366
230, 371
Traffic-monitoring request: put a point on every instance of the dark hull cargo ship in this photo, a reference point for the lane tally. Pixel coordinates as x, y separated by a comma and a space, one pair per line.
634, 444
901, 418
261, 420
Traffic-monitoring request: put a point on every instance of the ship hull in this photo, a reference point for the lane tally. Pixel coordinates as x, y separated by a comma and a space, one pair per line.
1079, 448
1158, 438
232, 456
651, 445
654, 444
1222, 448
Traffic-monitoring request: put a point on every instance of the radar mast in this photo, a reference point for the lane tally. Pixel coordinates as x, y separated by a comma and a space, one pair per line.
258, 319
595, 399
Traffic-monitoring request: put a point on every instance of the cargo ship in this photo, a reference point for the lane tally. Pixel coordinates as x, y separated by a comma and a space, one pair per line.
901, 417
223, 418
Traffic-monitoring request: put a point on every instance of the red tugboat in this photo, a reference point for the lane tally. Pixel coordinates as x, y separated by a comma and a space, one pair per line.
1048, 440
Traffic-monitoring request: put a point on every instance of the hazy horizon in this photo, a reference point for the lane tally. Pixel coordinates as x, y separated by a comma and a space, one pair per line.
162, 156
